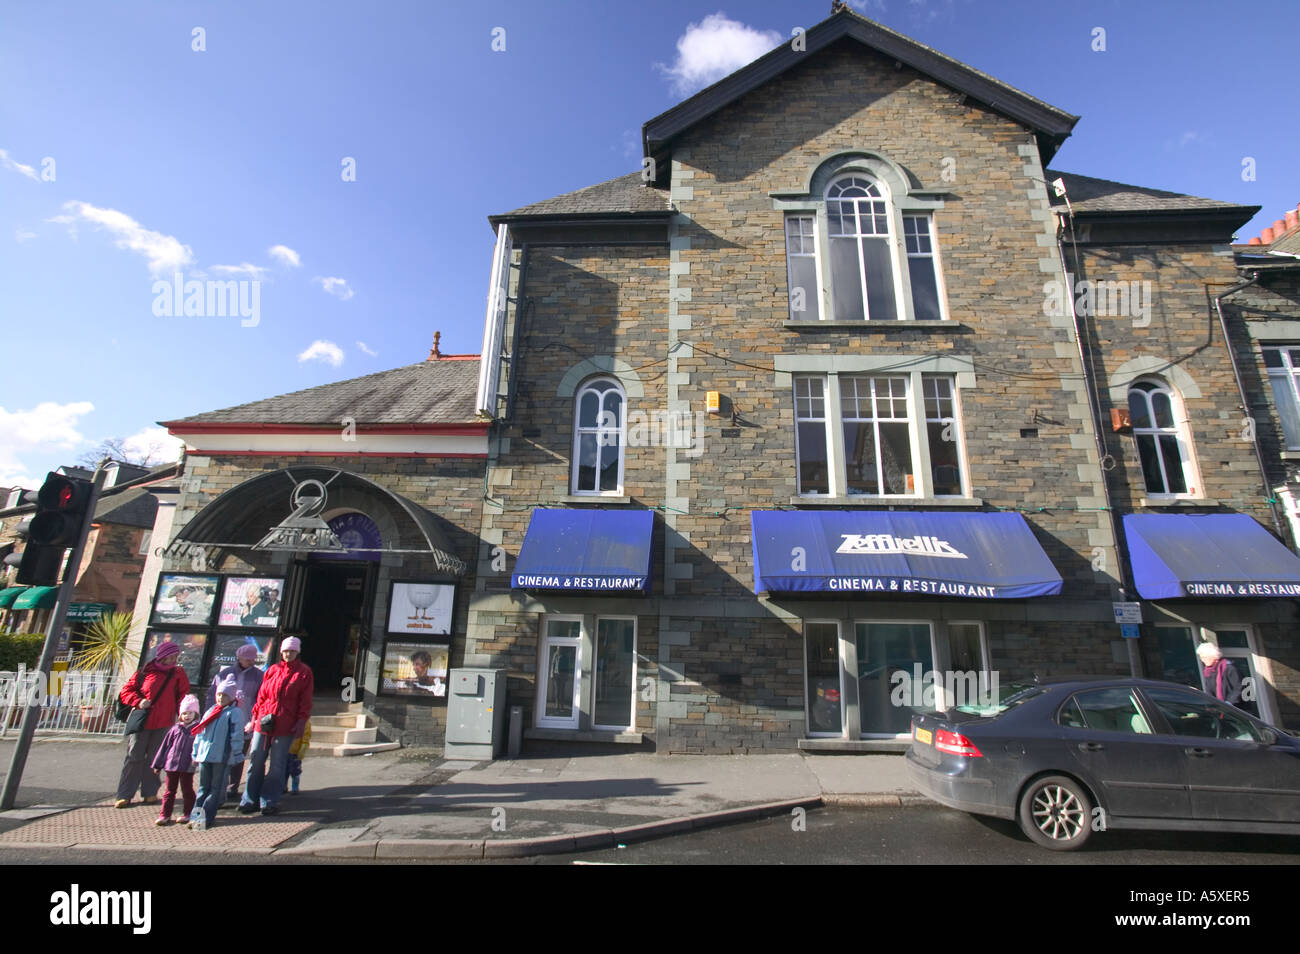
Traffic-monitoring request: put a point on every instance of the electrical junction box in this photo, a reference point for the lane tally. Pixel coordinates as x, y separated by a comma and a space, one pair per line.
476, 714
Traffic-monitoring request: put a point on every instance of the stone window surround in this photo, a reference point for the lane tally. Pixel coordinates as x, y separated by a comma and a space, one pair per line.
905, 197
961, 369
1183, 386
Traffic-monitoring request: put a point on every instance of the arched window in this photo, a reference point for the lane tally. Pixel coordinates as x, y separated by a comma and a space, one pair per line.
598, 437
862, 266
1160, 432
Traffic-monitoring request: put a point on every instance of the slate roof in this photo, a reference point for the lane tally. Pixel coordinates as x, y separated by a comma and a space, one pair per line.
441, 391
134, 507
1102, 195
626, 195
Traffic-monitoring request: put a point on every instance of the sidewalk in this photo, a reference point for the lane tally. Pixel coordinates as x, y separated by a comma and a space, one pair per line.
413, 804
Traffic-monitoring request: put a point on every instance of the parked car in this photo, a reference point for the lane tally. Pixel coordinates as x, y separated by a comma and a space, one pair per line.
1067, 758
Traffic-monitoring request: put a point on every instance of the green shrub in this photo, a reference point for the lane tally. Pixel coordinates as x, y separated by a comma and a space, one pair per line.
20, 648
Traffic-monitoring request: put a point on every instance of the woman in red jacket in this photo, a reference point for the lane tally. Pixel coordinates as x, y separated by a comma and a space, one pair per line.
279, 716
159, 687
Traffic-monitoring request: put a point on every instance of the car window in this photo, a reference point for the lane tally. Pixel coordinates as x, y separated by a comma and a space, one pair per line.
1009, 696
1194, 715
1104, 710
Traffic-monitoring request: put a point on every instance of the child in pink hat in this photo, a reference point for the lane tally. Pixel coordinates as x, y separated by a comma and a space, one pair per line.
175, 759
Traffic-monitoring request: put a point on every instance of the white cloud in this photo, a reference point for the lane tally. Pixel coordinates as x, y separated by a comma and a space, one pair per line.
363, 347
46, 427
321, 350
22, 235
338, 287
154, 443
284, 255
18, 167
164, 252
252, 271
713, 48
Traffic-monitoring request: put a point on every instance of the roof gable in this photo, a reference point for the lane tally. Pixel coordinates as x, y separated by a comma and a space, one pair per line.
1052, 125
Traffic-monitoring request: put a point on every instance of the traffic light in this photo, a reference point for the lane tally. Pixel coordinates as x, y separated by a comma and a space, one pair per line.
61, 506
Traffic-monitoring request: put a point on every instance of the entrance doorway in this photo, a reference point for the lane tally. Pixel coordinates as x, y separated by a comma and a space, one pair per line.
335, 601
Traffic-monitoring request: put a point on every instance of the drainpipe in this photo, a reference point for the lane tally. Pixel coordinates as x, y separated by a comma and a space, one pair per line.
1241, 393
1094, 408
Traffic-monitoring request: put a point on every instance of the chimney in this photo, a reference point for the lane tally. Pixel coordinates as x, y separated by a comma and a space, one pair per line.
1292, 219
1255, 241
1266, 236
434, 353
1279, 228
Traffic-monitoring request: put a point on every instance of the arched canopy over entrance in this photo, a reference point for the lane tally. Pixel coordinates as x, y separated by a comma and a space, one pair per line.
241, 517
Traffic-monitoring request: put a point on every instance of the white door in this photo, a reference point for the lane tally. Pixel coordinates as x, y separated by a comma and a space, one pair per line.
559, 673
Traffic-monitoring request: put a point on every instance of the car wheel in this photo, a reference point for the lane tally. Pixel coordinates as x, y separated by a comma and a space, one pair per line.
1056, 813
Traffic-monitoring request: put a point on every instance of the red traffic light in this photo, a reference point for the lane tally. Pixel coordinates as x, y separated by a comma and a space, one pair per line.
63, 493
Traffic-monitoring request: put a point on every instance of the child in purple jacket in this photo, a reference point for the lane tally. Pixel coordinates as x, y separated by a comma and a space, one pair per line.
175, 757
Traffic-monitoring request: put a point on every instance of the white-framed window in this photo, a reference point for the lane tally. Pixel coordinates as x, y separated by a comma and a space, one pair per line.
1283, 365
872, 435
859, 258
613, 703
599, 438
886, 648
1163, 446
801, 267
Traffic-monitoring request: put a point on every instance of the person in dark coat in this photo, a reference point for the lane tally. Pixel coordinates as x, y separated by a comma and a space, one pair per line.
159, 687
175, 759
1219, 677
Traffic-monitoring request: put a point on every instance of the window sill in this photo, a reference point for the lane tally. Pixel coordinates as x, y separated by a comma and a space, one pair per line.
1177, 502
595, 499
854, 745
1290, 455
590, 735
872, 325
877, 503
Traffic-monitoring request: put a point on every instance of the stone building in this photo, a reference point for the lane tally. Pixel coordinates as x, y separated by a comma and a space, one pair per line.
347, 512
846, 387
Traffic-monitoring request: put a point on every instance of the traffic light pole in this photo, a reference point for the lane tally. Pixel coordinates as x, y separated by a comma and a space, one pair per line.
33, 712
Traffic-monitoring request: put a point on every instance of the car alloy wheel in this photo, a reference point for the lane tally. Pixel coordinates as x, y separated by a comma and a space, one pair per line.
1055, 812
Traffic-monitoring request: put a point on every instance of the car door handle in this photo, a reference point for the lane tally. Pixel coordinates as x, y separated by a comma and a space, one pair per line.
1198, 753
1091, 746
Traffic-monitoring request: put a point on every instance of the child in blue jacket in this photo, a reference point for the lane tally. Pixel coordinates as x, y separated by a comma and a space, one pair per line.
218, 744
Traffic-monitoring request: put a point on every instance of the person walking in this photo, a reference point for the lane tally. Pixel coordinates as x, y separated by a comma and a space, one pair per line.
248, 680
158, 688
279, 718
1221, 679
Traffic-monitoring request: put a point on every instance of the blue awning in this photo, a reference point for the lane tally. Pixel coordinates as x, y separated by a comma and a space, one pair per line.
1208, 555
585, 551
883, 553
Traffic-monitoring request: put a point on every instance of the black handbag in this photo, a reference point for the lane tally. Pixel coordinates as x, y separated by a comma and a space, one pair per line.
136, 718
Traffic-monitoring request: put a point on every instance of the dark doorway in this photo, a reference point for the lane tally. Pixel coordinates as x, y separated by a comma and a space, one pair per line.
333, 616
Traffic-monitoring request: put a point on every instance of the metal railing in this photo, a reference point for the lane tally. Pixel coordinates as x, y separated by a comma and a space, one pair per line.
74, 701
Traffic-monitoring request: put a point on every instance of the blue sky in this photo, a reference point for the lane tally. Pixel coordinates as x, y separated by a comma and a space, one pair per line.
127, 155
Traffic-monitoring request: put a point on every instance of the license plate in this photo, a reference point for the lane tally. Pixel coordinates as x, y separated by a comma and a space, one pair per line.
924, 735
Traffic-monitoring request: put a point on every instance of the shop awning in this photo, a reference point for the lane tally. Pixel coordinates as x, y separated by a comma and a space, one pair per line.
37, 598
1208, 555
882, 553
9, 594
586, 550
